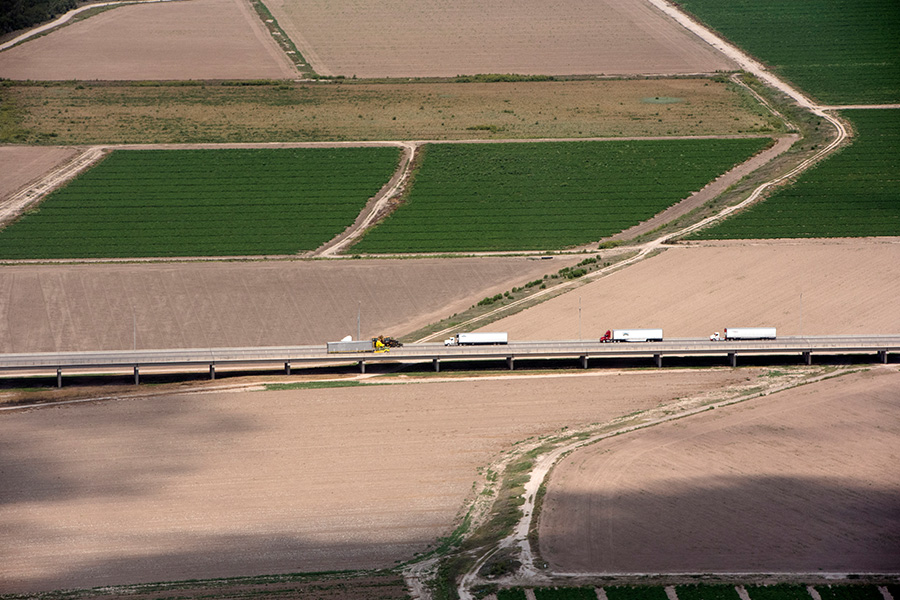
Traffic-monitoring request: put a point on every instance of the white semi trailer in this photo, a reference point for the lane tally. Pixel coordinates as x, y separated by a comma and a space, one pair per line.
477, 339
749, 333
633, 335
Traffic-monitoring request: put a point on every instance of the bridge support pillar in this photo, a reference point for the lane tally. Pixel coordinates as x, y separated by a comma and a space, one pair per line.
437, 365
137, 375
58, 377
584, 361
511, 362
658, 359
883, 356
732, 358
287, 368
362, 366
212, 371
807, 357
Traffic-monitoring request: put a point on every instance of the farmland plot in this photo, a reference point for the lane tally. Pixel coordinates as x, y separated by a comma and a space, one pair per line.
840, 51
203, 203
855, 193
544, 196
200, 39
421, 38
798, 481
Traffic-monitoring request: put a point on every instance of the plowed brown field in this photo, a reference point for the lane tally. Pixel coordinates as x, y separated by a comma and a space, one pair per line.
416, 38
847, 286
805, 480
234, 304
200, 39
221, 484
20, 165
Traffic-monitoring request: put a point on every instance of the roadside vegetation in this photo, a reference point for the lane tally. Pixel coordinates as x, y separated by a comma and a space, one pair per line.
851, 194
840, 51
151, 203
21, 14
285, 111
546, 195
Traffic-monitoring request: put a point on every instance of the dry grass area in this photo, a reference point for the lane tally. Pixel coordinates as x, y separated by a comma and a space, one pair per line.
248, 483
23, 164
69, 113
200, 39
420, 38
848, 287
804, 480
65, 307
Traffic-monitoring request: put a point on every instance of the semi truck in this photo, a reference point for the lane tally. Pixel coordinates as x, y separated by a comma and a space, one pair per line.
633, 335
749, 333
477, 339
376, 344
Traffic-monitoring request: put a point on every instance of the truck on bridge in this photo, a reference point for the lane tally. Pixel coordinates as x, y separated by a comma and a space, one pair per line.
376, 344
633, 335
749, 333
477, 339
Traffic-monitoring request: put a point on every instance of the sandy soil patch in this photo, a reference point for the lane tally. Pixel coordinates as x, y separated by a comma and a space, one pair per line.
234, 304
407, 38
199, 39
848, 287
262, 482
805, 480
20, 165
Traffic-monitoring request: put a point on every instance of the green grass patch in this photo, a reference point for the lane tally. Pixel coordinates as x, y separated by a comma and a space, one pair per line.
545, 196
781, 591
706, 592
840, 51
849, 592
636, 592
511, 594
311, 385
855, 193
156, 203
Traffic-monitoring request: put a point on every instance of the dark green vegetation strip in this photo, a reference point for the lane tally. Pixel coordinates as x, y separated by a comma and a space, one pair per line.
311, 385
840, 51
152, 203
636, 592
19, 14
545, 196
781, 591
706, 592
565, 593
853, 194
848, 592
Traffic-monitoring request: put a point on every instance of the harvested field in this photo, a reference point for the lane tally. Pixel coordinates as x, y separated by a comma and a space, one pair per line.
231, 304
406, 38
200, 39
99, 113
20, 165
804, 480
224, 484
848, 287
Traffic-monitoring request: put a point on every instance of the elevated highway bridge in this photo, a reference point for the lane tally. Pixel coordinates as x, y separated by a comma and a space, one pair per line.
878, 347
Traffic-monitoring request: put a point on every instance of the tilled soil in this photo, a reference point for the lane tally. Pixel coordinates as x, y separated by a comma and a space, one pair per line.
227, 484
805, 480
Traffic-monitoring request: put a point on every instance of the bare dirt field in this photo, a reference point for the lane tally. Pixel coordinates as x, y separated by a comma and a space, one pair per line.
848, 286
805, 480
20, 165
99, 113
407, 38
224, 484
65, 307
196, 39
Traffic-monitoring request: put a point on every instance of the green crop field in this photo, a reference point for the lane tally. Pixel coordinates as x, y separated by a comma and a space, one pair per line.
565, 593
855, 193
781, 591
546, 196
839, 51
151, 203
706, 592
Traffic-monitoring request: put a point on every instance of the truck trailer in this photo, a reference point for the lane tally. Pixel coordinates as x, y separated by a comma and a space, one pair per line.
633, 335
377, 344
749, 333
477, 339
